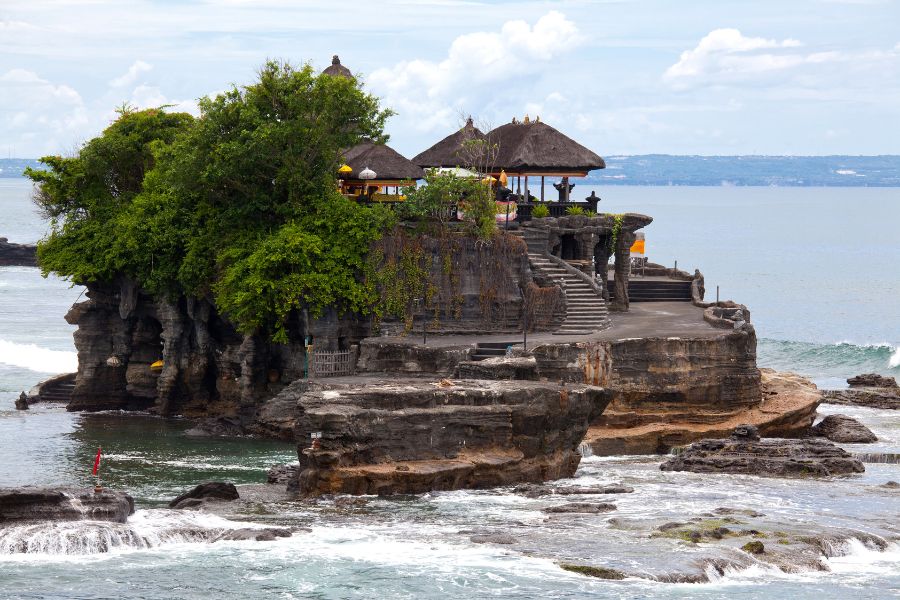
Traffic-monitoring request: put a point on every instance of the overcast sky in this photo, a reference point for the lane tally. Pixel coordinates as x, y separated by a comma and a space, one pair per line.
622, 77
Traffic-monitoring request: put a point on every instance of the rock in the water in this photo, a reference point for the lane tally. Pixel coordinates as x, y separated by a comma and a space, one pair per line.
217, 427
213, 490
268, 534
753, 547
599, 572
473, 434
844, 430
870, 390
283, 474
493, 538
607, 489
22, 402
770, 458
17, 255
582, 507
868, 380
63, 504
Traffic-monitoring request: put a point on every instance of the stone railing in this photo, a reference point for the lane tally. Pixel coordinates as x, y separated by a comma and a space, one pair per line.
576, 272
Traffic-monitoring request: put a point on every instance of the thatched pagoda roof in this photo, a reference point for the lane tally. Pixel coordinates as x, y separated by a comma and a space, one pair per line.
388, 164
447, 152
535, 147
337, 69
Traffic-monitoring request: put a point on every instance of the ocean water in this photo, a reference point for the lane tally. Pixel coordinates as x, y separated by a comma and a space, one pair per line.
818, 269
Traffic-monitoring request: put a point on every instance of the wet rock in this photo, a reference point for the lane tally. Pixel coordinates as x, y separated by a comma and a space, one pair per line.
891, 485
749, 512
753, 548
590, 571
868, 380
22, 402
494, 538
257, 535
213, 490
608, 489
217, 427
283, 474
349, 501
63, 504
532, 490
768, 458
581, 507
870, 390
844, 429
746, 433
671, 525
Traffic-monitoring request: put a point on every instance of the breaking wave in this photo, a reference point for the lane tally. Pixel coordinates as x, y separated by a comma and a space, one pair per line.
829, 361
35, 358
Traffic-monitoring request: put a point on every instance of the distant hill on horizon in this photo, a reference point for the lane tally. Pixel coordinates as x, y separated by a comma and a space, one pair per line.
669, 169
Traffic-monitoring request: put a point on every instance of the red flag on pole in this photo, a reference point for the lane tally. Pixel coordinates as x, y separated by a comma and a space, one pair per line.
97, 462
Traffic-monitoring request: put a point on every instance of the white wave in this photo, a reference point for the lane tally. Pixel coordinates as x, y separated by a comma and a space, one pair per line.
894, 361
145, 530
858, 557
35, 358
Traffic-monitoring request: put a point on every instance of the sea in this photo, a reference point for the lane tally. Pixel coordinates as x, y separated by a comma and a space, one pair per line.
819, 269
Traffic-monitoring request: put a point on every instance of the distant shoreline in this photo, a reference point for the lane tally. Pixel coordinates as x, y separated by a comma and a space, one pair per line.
664, 170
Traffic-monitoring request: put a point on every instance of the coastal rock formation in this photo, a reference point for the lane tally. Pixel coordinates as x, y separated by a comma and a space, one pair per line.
701, 395
869, 390
745, 453
17, 255
213, 490
844, 430
415, 436
29, 504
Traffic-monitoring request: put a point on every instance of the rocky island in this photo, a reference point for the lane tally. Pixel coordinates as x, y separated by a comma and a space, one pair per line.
441, 343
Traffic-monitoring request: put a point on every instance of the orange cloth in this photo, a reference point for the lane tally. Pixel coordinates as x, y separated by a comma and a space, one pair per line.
637, 247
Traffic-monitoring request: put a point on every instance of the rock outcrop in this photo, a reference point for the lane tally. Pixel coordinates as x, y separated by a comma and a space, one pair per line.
844, 430
17, 255
786, 408
35, 504
745, 453
212, 490
869, 390
415, 436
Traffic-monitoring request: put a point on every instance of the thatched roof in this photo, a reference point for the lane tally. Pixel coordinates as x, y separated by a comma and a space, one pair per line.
388, 164
337, 69
447, 152
535, 147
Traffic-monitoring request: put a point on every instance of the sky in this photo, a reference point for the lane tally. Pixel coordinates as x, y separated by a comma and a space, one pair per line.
798, 77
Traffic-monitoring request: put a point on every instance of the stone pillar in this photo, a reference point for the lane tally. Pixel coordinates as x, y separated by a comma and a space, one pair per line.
623, 270
601, 260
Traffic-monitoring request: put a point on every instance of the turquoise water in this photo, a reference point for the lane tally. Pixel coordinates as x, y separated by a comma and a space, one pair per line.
818, 268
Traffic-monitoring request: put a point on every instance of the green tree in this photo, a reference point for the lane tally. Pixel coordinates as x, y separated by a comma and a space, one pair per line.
240, 204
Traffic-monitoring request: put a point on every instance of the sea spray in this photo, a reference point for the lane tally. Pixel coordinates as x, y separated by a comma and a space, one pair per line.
35, 358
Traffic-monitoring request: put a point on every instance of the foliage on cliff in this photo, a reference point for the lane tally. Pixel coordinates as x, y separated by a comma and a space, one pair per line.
240, 203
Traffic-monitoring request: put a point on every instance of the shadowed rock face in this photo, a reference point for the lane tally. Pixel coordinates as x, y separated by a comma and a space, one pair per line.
63, 504
17, 255
415, 436
844, 430
871, 390
745, 453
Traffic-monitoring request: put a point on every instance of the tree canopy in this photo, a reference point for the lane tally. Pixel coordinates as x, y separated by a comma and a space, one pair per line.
240, 204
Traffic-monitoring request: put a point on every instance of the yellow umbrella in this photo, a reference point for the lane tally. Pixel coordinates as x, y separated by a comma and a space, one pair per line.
502, 177
345, 169
488, 180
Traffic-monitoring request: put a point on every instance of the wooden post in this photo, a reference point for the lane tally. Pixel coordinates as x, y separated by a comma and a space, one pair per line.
542, 188
526, 189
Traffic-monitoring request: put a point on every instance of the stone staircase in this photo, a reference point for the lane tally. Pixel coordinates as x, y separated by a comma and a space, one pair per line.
641, 290
58, 389
586, 310
485, 350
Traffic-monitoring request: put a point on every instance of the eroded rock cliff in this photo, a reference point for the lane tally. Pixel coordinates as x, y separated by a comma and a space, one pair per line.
390, 437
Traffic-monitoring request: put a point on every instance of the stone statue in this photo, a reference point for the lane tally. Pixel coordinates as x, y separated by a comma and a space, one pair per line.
22, 402
698, 287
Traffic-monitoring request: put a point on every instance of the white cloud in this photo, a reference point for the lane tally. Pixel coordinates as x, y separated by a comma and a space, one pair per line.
479, 67
727, 54
130, 76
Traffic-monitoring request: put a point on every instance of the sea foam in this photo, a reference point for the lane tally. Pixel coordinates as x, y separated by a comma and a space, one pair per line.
35, 358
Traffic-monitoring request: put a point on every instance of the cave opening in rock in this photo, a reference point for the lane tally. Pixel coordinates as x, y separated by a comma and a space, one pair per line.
570, 250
